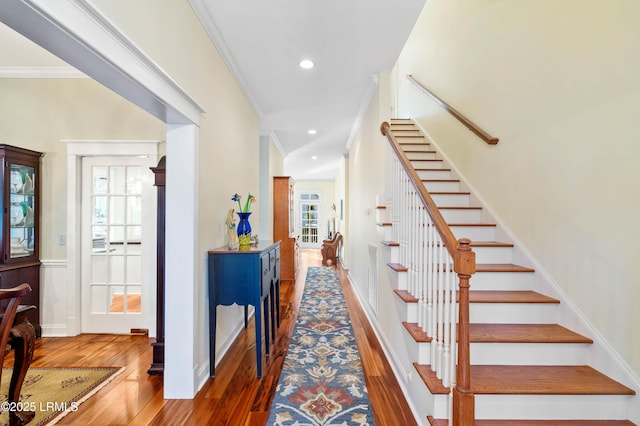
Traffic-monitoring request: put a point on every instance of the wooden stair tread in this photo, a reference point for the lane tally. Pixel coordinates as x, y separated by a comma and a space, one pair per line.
489, 422
543, 379
416, 332
459, 208
501, 267
473, 224
484, 296
531, 380
508, 333
397, 267
440, 180
427, 169
406, 296
524, 333
490, 244
450, 192
509, 296
391, 243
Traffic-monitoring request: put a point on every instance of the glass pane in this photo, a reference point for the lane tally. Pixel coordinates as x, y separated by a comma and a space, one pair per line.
134, 234
134, 210
117, 181
99, 239
134, 299
314, 197
116, 239
116, 210
100, 180
116, 297
99, 269
22, 179
116, 269
98, 299
134, 182
100, 210
134, 270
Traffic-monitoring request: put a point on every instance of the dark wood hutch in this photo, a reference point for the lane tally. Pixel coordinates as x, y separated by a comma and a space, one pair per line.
20, 240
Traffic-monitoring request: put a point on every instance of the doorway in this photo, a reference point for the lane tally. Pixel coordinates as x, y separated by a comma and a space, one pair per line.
309, 220
115, 199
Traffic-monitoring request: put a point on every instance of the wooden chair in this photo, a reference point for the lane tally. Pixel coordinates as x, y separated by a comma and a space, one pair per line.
331, 250
19, 336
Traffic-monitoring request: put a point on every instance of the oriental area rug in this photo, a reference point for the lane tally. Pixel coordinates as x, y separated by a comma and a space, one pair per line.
322, 381
54, 392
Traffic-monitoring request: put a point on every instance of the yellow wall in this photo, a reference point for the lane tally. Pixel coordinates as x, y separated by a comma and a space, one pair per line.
557, 82
170, 33
39, 113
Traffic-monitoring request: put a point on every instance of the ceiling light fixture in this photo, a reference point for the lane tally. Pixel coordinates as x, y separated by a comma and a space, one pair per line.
312, 131
314, 157
306, 64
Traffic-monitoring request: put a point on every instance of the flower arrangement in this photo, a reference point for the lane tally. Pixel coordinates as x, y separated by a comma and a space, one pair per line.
247, 204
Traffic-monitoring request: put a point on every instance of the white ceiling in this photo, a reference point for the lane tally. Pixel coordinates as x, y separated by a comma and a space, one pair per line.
350, 41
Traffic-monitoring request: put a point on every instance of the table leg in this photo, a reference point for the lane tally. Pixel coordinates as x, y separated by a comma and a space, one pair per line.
258, 324
212, 338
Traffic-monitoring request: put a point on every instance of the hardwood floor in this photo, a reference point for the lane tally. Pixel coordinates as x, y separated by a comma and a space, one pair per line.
235, 396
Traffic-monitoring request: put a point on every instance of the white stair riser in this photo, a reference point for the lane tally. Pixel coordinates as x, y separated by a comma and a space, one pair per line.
493, 254
539, 407
444, 186
406, 311
394, 253
434, 174
419, 352
502, 281
451, 200
475, 233
462, 215
414, 144
427, 164
421, 156
513, 313
528, 353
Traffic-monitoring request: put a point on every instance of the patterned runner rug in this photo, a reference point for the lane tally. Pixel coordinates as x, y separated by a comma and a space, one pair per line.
322, 381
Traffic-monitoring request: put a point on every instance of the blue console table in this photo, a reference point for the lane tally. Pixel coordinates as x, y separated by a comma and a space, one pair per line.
246, 278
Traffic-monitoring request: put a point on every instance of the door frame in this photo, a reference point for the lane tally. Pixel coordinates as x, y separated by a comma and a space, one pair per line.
76, 150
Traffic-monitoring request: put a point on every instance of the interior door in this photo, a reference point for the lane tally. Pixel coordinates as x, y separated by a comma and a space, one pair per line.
115, 197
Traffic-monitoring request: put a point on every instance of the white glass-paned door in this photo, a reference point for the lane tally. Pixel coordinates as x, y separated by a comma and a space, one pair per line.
113, 289
309, 219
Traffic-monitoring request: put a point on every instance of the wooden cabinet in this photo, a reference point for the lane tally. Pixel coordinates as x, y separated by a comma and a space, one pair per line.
19, 243
284, 226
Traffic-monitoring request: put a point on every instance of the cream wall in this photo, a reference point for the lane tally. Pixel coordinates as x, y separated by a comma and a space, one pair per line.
39, 113
228, 149
557, 82
326, 189
271, 164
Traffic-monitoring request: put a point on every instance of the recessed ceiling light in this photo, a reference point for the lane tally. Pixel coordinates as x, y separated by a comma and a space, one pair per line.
307, 64
312, 131
314, 157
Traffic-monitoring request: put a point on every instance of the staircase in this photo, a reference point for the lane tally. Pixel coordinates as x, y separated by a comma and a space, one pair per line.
525, 368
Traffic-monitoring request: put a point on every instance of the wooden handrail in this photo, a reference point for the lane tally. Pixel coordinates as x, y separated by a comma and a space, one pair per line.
464, 264
464, 120
443, 229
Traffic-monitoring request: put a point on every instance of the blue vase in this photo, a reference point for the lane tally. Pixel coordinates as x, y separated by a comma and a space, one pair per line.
244, 231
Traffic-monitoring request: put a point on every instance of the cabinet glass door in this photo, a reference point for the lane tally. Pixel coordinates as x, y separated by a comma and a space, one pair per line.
21, 216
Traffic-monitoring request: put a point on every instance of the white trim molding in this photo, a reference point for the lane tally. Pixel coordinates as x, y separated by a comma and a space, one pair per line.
78, 33
40, 72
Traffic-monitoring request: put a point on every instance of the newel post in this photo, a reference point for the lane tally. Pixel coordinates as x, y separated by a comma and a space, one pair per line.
463, 399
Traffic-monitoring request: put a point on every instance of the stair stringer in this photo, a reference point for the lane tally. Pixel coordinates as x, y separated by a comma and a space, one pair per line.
602, 356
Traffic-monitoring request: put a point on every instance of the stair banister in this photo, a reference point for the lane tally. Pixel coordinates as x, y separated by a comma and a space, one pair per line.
491, 140
464, 266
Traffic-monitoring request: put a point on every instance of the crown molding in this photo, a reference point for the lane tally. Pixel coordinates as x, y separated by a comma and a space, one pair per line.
41, 72
204, 14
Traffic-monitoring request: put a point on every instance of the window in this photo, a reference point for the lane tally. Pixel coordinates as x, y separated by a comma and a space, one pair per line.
310, 220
